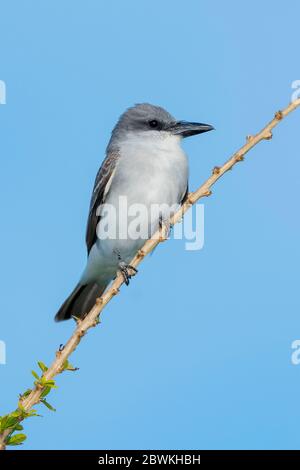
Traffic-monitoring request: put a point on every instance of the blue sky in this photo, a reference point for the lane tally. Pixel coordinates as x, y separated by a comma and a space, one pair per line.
196, 353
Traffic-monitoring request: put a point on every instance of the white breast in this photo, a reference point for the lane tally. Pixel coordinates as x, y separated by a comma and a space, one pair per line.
152, 169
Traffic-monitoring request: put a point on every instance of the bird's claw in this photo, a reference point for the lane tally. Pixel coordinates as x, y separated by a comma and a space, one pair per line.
125, 271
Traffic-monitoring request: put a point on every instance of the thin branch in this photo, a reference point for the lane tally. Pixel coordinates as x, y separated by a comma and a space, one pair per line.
26, 403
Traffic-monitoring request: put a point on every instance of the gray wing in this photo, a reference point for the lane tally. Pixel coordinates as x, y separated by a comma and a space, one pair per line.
103, 177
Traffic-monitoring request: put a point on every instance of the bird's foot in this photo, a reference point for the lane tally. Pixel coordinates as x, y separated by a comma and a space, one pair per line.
127, 271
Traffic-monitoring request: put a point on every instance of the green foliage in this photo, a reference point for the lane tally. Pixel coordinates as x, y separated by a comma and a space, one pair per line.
26, 393
10, 423
68, 366
46, 391
47, 383
19, 427
16, 440
35, 375
42, 366
50, 407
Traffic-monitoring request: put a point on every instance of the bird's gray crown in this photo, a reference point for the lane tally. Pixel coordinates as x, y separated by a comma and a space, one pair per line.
142, 117
147, 117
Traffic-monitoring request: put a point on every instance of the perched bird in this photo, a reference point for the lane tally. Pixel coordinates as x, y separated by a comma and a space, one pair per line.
146, 166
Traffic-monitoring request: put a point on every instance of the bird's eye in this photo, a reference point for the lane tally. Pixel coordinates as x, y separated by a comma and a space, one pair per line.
153, 123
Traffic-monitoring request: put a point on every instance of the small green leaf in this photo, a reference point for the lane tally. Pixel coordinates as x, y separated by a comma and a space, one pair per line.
35, 375
11, 421
42, 366
19, 427
45, 391
16, 440
68, 366
50, 383
32, 413
3, 424
26, 393
50, 407
21, 410
8, 421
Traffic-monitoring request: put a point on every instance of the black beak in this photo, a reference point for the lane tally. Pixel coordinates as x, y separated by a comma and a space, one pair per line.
186, 129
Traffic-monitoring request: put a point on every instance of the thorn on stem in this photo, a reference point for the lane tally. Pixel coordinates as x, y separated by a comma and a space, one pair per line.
268, 135
96, 322
240, 158
216, 170
207, 193
189, 200
279, 115
141, 254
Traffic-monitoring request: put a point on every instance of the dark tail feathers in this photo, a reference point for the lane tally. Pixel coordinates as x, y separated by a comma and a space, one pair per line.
80, 302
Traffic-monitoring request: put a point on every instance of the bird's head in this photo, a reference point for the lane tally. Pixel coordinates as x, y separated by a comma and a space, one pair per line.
146, 118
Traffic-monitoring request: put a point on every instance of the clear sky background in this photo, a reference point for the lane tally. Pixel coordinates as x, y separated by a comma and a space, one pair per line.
196, 353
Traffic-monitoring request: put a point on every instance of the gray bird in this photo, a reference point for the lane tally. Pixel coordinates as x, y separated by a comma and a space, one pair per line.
146, 166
